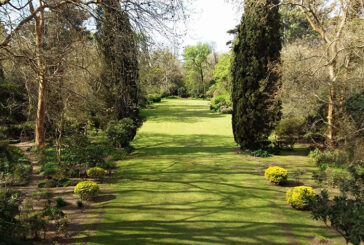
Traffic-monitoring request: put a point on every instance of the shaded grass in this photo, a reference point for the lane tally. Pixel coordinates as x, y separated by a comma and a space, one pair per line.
186, 185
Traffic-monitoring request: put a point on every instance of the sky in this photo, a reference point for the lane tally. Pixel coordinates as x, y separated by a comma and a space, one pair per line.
209, 22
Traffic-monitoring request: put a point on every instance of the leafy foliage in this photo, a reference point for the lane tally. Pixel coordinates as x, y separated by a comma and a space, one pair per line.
15, 169
354, 106
12, 100
9, 204
345, 213
276, 175
122, 132
154, 98
220, 102
328, 158
87, 190
195, 58
221, 72
260, 153
288, 131
79, 204
51, 183
96, 173
182, 92
301, 197
256, 80
60, 202
117, 44
295, 24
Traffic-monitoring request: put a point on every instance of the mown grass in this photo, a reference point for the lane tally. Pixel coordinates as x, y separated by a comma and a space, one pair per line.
185, 184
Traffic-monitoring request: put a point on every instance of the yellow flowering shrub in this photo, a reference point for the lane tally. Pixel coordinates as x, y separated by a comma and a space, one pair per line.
96, 173
300, 197
87, 190
276, 175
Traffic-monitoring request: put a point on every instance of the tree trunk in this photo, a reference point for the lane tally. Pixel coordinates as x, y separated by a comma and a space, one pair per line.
40, 121
59, 139
331, 119
202, 81
332, 54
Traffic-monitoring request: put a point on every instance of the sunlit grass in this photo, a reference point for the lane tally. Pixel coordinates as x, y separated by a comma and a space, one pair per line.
186, 185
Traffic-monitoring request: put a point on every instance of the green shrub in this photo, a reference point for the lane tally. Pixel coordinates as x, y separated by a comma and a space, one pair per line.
276, 175
62, 225
51, 183
354, 106
49, 169
154, 98
70, 183
87, 190
42, 195
107, 164
122, 132
79, 204
52, 213
79, 150
337, 176
14, 167
96, 173
301, 197
288, 131
9, 204
226, 109
260, 153
322, 158
344, 212
325, 159
60, 202
182, 92
32, 225
221, 102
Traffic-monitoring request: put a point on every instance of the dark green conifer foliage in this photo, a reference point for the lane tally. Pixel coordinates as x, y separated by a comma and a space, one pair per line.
117, 44
256, 78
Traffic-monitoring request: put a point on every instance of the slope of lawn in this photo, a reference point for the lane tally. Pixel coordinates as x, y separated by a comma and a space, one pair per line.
186, 184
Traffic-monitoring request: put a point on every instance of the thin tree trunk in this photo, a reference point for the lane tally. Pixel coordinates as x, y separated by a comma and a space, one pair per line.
332, 54
202, 80
331, 119
40, 121
59, 139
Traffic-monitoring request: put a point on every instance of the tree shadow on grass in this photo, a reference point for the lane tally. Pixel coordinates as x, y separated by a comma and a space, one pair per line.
292, 183
165, 144
198, 231
103, 198
180, 113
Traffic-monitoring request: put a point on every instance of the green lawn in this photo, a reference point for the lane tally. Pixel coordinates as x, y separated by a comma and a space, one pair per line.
185, 184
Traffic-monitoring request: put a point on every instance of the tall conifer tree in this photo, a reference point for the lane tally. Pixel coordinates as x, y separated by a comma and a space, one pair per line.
117, 43
256, 78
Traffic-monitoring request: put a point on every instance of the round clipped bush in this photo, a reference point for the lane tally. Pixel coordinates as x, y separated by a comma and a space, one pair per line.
87, 190
276, 175
96, 173
301, 197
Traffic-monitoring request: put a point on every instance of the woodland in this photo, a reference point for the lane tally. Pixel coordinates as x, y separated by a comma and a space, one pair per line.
108, 136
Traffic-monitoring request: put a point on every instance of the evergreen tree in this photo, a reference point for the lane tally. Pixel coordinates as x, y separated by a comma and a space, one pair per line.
117, 44
256, 80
